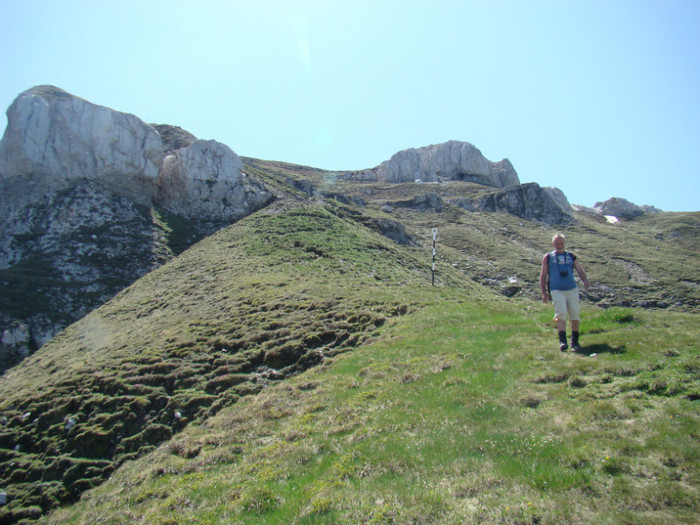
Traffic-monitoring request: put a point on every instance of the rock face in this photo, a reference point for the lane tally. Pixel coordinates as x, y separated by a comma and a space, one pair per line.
205, 181
58, 138
427, 202
622, 208
66, 253
82, 188
528, 201
451, 160
560, 199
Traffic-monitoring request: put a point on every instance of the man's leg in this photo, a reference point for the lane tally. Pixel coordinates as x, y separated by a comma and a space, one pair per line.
561, 330
574, 315
574, 335
560, 312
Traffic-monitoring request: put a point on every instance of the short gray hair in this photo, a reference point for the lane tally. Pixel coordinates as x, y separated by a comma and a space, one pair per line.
559, 235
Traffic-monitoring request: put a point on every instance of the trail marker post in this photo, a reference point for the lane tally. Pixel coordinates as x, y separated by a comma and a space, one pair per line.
434, 252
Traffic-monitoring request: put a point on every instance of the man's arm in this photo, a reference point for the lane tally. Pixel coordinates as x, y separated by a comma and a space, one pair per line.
581, 274
544, 277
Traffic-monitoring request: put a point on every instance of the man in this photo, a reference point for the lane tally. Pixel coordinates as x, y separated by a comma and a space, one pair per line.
558, 284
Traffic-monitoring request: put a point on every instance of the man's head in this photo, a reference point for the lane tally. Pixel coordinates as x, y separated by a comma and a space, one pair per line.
558, 242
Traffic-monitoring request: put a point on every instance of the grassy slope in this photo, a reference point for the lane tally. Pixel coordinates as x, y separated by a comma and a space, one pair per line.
459, 413
453, 406
265, 298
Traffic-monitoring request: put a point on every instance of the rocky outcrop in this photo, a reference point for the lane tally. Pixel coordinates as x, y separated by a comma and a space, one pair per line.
451, 160
205, 181
56, 138
82, 191
528, 201
428, 202
560, 199
173, 137
618, 207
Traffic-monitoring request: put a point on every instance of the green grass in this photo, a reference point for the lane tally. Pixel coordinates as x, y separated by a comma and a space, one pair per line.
460, 413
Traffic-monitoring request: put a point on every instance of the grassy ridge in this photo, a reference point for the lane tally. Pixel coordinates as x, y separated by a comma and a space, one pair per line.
463, 412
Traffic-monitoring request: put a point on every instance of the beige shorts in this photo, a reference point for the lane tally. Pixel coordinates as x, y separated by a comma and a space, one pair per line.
566, 302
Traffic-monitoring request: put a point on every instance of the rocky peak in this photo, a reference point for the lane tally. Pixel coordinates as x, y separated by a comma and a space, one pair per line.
451, 160
81, 189
618, 207
57, 138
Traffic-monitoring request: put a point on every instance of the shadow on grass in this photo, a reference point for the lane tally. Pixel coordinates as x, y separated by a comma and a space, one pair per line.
601, 349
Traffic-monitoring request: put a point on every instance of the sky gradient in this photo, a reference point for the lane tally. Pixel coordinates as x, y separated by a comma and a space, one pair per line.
598, 98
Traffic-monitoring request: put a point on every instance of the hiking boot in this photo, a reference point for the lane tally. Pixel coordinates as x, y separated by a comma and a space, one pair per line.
563, 347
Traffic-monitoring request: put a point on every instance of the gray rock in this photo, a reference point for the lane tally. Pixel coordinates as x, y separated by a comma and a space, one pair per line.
205, 181
619, 208
59, 138
173, 137
559, 198
528, 201
77, 186
14, 344
428, 202
465, 204
451, 160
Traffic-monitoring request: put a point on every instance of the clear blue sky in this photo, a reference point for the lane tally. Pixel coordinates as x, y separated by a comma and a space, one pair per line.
600, 98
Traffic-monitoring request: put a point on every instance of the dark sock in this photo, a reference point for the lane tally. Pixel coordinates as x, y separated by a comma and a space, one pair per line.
562, 336
574, 338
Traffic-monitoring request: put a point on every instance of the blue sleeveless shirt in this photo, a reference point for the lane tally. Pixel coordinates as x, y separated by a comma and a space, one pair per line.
562, 263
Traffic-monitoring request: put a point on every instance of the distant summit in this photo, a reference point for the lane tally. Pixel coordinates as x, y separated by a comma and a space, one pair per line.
451, 160
622, 208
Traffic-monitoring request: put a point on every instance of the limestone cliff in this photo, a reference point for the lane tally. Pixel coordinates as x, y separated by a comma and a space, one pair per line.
83, 190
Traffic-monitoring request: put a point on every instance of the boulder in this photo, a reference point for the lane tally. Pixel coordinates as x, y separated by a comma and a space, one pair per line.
451, 160
205, 181
58, 138
427, 202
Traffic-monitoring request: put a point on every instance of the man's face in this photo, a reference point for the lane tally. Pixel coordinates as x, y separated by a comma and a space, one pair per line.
558, 244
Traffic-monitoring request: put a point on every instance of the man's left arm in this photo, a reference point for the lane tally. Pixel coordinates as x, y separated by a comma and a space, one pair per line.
581, 274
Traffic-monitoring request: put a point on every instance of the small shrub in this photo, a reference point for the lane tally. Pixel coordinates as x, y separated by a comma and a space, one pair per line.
531, 402
577, 382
